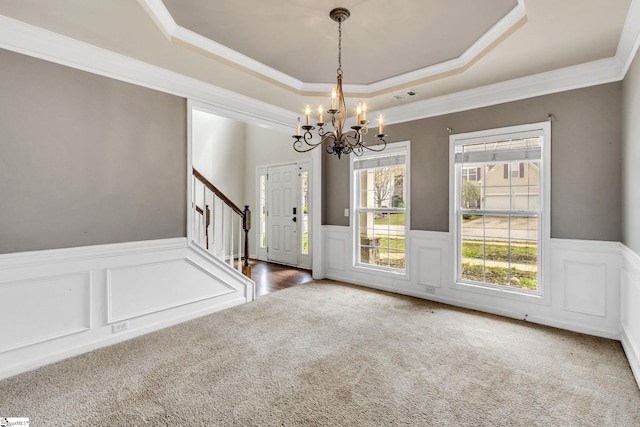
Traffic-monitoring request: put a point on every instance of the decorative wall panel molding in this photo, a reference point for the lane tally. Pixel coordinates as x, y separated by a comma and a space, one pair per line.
585, 288
337, 252
429, 262
582, 295
44, 308
148, 288
60, 303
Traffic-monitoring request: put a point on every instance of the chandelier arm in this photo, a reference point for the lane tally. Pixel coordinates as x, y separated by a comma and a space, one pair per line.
379, 148
351, 136
300, 148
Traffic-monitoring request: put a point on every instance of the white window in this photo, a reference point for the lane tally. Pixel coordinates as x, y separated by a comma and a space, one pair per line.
500, 221
380, 204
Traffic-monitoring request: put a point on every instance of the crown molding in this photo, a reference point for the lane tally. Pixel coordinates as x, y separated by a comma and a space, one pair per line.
569, 78
162, 17
630, 38
33, 41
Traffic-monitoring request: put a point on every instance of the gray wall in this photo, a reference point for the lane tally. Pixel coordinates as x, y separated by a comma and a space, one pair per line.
586, 161
85, 159
631, 158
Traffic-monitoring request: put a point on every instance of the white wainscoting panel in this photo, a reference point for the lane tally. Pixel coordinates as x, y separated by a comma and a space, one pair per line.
430, 257
585, 287
336, 244
43, 308
582, 292
178, 282
630, 309
430, 266
60, 303
585, 282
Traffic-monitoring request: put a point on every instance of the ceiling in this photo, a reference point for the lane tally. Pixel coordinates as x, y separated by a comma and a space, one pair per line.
381, 39
284, 52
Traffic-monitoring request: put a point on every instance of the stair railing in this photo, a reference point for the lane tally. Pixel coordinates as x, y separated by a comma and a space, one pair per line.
216, 220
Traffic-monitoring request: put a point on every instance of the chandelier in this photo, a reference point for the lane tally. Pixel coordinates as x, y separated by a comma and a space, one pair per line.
337, 141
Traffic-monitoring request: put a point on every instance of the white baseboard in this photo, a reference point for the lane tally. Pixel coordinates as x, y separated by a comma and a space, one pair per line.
593, 286
72, 298
582, 295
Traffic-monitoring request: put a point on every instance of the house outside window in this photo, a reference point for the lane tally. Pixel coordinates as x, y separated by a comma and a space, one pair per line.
380, 204
470, 174
500, 221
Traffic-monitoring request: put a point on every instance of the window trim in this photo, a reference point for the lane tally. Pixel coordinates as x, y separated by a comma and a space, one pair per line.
395, 147
543, 294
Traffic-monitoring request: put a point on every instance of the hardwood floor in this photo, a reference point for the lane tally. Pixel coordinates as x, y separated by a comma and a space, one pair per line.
274, 277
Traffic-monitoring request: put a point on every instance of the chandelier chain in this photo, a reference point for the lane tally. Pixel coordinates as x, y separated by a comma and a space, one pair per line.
340, 48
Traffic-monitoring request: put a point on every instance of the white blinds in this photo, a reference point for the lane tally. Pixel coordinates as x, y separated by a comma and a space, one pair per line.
499, 156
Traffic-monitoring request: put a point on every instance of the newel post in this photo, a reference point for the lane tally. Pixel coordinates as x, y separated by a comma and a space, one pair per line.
246, 226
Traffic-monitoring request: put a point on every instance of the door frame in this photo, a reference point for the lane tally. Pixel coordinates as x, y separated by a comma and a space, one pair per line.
304, 260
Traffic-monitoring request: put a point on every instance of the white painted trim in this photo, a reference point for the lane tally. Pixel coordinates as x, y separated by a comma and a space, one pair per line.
513, 314
633, 356
167, 24
52, 256
630, 257
396, 147
432, 280
474, 51
630, 38
542, 296
29, 40
60, 334
160, 15
109, 283
431, 235
569, 78
215, 260
163, 19
37, 42
92, 264
631, 277
593, 246
317, 255
46, 359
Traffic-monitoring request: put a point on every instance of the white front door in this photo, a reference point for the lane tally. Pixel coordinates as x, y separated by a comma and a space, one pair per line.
282, 218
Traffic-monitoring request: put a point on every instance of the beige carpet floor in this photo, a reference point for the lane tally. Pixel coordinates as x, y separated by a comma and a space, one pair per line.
328, 354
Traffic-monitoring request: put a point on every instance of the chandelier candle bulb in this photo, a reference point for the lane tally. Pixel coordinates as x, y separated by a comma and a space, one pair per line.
320, 114
364, 113
333, 99
358, 113
380, 124
298, 131
307, 113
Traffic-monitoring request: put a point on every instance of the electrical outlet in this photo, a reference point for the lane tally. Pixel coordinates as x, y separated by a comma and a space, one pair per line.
430, 289
118, 327
346, 212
